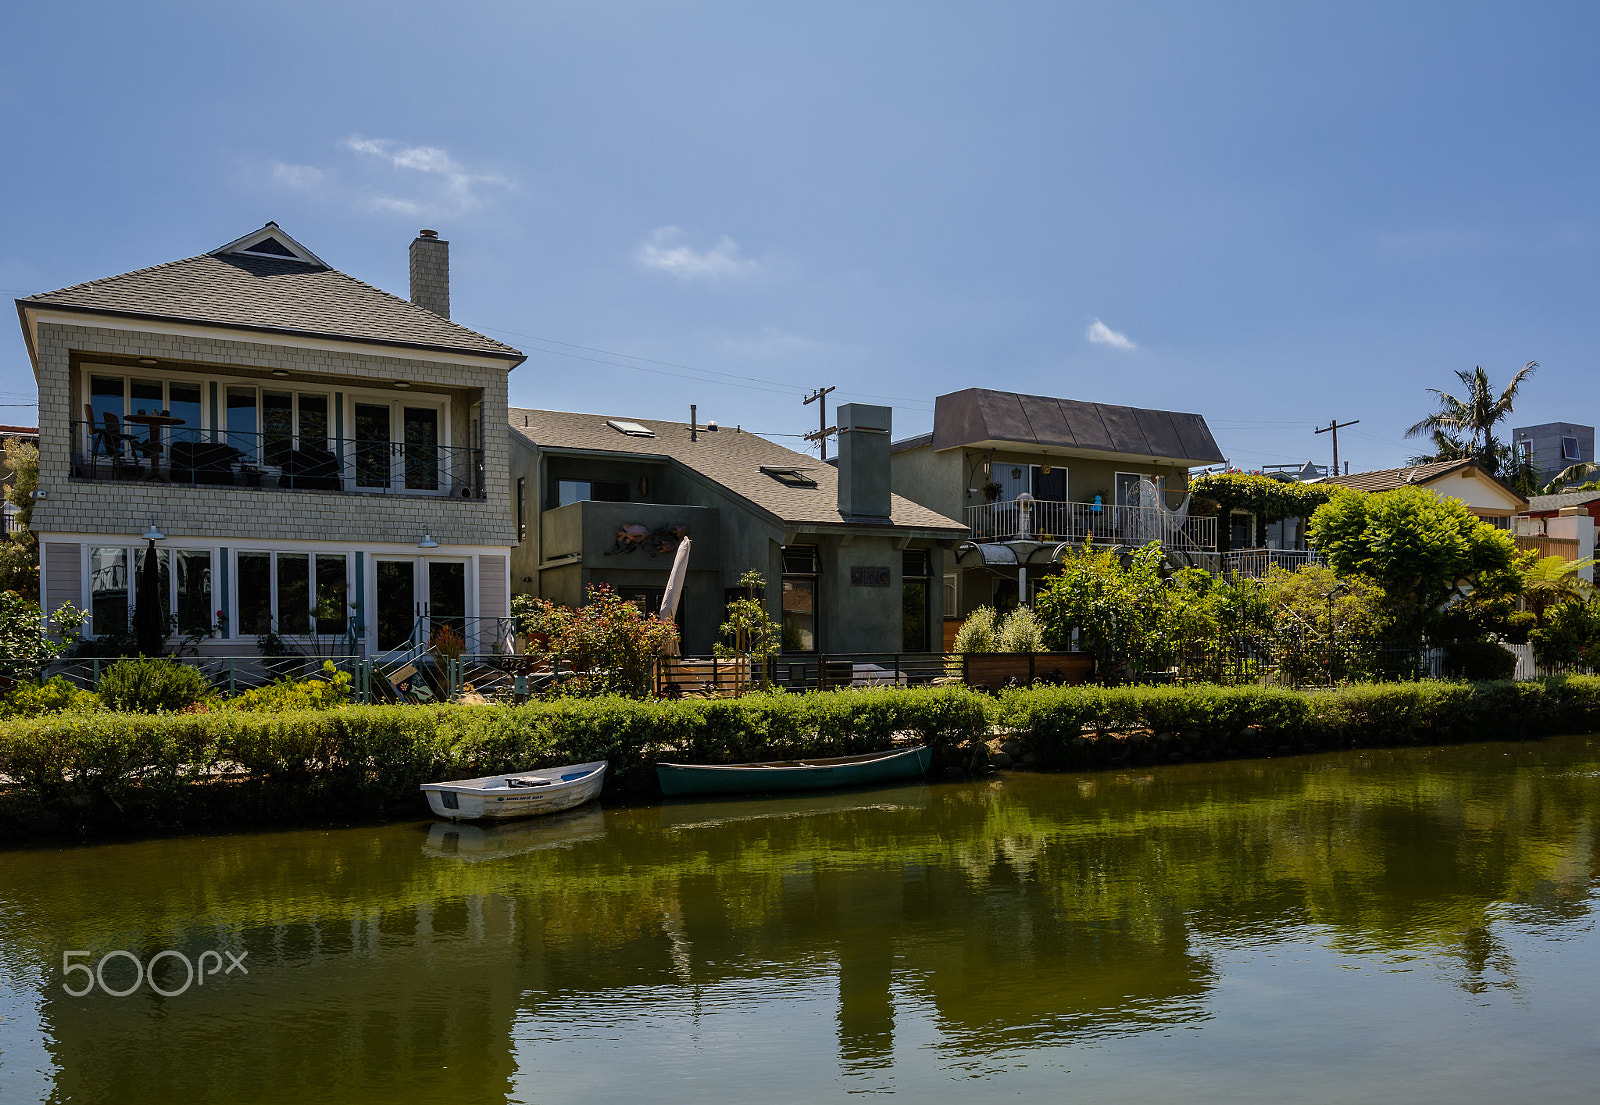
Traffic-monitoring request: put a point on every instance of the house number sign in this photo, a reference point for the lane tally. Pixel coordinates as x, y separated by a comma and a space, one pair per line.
869, 577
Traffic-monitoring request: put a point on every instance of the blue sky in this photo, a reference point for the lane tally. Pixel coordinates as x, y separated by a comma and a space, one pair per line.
1272, 214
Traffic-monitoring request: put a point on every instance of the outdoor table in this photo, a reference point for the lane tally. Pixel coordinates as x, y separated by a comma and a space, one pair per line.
156, 423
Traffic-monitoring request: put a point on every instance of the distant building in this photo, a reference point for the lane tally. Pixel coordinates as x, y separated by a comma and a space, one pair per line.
1486, 496
1552, 447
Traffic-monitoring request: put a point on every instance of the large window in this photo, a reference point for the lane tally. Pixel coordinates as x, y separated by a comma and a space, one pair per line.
916, 593
185, 587
799, 613
579, 491
276, 589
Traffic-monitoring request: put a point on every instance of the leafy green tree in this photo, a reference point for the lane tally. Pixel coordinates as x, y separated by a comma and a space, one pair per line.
19, 551
1118, 611
1314, 598
1469, 420
1423, 550
977, 633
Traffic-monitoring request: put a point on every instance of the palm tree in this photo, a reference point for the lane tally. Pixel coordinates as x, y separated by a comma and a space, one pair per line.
1553, 580
1469, 421
1446, 446
1568, 478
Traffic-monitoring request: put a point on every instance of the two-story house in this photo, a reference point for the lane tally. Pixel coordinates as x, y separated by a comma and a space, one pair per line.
848, 566
306, 450
1029, 473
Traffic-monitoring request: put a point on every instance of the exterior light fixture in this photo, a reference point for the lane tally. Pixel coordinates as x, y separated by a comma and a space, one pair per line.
402, 384
280, 373
427, 541
148, 361
153, 534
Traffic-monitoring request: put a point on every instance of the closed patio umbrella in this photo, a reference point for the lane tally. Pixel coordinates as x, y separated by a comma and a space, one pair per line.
149, 611
674, 593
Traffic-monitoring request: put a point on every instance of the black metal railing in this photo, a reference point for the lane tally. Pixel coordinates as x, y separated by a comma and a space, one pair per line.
178, 454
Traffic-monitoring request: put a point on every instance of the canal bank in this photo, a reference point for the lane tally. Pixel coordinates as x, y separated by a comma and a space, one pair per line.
78, 775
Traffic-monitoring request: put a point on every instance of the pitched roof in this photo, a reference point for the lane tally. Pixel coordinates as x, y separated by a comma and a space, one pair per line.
1541, 503
1388, 479
249, 291
979, 415
728, 457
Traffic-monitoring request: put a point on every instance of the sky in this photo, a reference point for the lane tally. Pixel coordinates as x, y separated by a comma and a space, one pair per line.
1272, 214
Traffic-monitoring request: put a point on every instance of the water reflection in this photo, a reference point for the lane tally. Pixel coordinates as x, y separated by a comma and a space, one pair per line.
869, 941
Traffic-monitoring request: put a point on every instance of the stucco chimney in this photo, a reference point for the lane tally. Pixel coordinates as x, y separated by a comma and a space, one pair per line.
864, 460
430, 273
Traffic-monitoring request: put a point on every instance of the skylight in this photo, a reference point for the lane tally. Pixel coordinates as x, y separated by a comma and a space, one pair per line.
631, 429
790, 477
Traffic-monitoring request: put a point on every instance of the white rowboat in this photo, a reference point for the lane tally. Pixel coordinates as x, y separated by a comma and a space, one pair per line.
521, 794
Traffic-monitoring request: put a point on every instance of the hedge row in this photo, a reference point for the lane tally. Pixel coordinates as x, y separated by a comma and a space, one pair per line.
93, 772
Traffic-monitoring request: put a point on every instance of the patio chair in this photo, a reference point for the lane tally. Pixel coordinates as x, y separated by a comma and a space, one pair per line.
109, 441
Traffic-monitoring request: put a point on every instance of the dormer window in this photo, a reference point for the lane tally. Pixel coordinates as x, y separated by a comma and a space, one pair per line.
790, 477
630, 429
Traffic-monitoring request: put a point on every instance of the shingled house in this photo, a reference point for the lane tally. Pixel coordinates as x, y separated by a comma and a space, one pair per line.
849, 567
1029, 473
308, 448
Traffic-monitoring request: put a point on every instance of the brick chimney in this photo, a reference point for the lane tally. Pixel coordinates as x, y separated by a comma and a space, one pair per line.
864, 460
430, 273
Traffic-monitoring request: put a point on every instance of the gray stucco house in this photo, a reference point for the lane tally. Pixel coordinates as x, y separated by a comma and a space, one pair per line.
310, 448
849, 567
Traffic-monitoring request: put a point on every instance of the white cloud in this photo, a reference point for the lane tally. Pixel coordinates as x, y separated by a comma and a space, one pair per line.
449, 188
664, 249
306, 178
1101, 334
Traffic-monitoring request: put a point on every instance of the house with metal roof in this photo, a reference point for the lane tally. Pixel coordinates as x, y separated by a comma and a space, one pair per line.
848, 566
305, 450
1030, 474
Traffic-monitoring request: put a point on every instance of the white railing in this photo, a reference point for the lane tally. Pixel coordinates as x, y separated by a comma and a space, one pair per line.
1111, 525
1255, 563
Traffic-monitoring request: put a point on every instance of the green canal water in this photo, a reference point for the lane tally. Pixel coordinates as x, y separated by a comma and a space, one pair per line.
1367, 926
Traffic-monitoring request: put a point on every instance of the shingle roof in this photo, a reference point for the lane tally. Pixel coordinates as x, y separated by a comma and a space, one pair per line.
1388, 479
270, 293
1539, 503
727, 457
981, 414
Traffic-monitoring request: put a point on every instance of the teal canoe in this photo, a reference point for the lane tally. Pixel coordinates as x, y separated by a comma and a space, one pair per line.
809, 774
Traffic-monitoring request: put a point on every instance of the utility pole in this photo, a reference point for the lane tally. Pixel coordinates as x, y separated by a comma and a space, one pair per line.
823, 430
1334, 427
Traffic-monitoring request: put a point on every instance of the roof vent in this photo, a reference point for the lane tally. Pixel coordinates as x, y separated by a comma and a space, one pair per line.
270, 246
631, 429
789, 477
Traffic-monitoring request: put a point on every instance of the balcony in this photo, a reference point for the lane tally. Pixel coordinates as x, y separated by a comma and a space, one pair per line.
1110, 525
1256, 563
274, 461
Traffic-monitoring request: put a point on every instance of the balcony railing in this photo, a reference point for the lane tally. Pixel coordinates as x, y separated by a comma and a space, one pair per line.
1256, 563
230, 458
1122, 525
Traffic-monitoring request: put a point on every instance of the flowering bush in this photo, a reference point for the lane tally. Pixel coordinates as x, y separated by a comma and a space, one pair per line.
609, 642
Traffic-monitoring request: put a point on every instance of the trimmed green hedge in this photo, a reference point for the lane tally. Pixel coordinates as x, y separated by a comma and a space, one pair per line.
106, 772
96, 771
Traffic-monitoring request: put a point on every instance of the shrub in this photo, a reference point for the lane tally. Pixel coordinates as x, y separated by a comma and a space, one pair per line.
1020, 632
328, 691
1479, 661
152, 686
977, 633
50, 696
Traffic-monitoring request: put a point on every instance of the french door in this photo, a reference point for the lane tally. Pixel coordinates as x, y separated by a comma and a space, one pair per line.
418, 600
